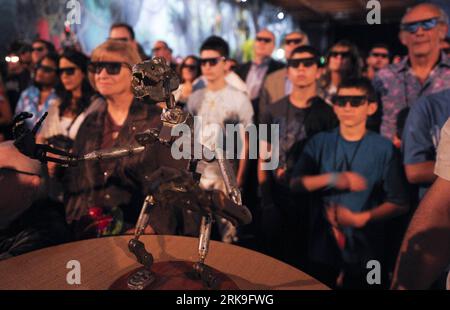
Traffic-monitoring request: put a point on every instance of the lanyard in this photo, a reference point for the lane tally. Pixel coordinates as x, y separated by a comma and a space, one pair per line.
348, 164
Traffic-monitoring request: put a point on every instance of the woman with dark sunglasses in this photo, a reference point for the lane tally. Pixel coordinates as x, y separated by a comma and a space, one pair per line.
189, 72
104, 198
344, 62
75, 94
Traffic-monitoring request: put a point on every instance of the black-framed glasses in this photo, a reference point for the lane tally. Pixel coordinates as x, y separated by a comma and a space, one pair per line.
342, 54
119, 39
38, 49
262, 39
112, 67
382, 55
211, 61
189, 67
156, 49
306, 62
426, 24
293, 41
355, 101
46, 69
68, 71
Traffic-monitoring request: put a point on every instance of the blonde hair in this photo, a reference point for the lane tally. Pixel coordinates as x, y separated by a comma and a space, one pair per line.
123, 49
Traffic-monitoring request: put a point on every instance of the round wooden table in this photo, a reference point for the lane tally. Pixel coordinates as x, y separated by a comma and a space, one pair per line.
103, 261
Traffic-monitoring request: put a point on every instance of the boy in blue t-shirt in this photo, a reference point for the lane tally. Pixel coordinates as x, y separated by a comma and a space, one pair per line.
358, 182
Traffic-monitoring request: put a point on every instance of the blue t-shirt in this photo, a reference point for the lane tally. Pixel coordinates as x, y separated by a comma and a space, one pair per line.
422, 129
376, 159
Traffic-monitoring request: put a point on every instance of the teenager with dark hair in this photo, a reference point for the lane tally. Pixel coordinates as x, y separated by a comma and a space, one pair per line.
299, 115
219, 104
357, 183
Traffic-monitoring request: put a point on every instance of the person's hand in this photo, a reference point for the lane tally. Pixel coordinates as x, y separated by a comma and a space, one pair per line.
331, 216
280, 174
351, 181
339, 216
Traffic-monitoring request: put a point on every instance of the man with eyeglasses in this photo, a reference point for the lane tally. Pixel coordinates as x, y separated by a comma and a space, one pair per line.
424, 71
378, 59
162, 49
40, 48
358, 184
216, 106
299, 115
125, 33
36, 99
277, 84
255, 72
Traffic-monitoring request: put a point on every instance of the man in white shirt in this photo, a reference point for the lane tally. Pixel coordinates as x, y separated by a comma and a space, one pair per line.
217, 105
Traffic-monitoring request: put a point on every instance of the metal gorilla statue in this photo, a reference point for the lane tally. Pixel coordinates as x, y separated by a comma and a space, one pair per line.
166, 186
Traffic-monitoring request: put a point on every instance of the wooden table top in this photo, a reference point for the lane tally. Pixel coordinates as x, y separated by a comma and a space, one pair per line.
105, 260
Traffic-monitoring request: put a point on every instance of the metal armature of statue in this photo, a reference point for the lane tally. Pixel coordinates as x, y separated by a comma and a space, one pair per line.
166, 187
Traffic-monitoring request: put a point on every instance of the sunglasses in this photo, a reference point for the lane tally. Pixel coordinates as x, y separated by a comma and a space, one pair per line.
46, 69
426, 24
38, 49
342, 54
293, 41
68, 71
119, 39
265, 40
306, 62
211, 61
446, 50
382, 55
112, 67
189, 67
355, 101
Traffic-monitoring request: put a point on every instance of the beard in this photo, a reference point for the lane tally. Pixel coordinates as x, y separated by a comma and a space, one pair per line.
41, 84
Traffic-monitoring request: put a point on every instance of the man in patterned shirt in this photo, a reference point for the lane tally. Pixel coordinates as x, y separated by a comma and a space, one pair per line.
36, 98
424, 71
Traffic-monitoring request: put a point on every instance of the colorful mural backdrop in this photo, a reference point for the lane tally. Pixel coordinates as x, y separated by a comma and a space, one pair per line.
184, 24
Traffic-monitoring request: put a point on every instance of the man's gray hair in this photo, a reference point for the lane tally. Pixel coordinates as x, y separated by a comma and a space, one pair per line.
442, 14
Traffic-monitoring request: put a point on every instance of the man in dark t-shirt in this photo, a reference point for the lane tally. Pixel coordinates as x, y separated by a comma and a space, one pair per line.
358, 182
298, 116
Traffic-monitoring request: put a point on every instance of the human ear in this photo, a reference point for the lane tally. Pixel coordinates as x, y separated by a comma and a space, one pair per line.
373, 107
